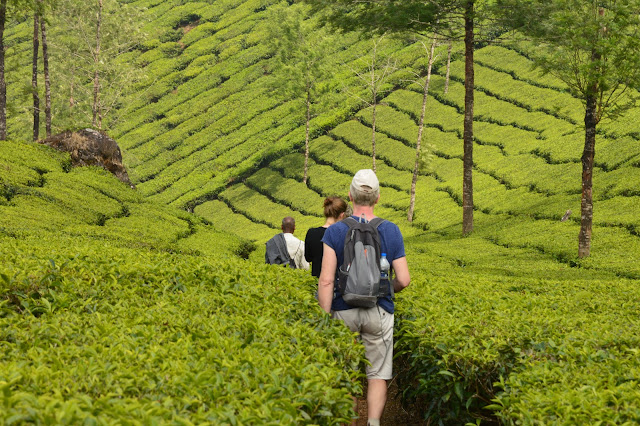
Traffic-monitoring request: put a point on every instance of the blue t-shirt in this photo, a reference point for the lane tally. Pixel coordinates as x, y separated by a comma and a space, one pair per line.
391, 243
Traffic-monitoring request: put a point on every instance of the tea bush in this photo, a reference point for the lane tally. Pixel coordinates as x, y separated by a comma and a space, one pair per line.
141, 337
118, 308
153, 301
464, 329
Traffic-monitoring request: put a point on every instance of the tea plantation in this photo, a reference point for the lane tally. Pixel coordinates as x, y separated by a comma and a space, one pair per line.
153, 305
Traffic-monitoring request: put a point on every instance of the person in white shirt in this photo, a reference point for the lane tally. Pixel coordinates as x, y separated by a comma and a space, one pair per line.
295, 247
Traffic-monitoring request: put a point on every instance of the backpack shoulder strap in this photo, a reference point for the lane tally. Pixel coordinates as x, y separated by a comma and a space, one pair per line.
295, 255
376, 222
350, 222
282, 246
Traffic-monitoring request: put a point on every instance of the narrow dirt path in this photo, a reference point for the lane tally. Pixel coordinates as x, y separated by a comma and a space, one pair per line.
394, 414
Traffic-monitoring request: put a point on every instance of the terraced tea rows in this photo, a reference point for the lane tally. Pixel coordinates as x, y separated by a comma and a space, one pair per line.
511, 175
43, 199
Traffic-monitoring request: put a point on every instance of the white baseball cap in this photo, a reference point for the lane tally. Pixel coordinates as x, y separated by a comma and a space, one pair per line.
365, 180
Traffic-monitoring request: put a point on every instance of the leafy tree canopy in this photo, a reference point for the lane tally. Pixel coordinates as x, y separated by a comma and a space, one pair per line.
591, 46
382, 15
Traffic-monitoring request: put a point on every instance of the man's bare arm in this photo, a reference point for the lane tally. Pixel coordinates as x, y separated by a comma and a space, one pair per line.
327, 277
402, 279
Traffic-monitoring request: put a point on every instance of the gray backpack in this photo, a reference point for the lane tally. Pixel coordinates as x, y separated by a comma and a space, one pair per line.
276, 252
359, 275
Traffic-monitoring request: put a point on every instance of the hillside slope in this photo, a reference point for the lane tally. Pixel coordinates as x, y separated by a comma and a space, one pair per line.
209, 114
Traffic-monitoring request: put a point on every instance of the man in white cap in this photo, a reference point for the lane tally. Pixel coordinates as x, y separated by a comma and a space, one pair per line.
375, 325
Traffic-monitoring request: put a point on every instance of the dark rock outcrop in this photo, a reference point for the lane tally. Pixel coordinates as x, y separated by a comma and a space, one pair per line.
90, 147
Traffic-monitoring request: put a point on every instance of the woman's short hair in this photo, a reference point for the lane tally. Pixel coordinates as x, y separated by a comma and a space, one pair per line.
334, 206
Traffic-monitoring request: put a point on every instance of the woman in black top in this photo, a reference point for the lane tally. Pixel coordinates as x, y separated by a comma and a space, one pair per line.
334, 210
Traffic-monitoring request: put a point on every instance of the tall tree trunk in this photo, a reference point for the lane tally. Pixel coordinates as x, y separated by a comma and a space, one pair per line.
467, 178
306, 137
591, 119
446, 81
96, 74
34, 79
586, 205
416, 166
3, 82
47, 84
588, 155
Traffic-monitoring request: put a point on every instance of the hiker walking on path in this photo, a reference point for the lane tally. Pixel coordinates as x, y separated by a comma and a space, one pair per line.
285, 249
334, 210
375, 324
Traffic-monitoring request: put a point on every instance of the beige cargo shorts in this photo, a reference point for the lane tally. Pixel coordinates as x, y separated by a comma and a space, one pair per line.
375, 326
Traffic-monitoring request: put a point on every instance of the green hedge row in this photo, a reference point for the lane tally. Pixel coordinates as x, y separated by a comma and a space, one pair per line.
358, 137
623, 125
335, 153
288, 192
493, 109
241, 152
143, 158
506, 60
623, 181
261, 208
507, 184
221, 215
601, 369
213, 140
561, 105
510, 138
181, 114
284, 136
209, 79
516, 170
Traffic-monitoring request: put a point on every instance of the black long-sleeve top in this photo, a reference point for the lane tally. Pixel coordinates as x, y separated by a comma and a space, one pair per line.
313, 249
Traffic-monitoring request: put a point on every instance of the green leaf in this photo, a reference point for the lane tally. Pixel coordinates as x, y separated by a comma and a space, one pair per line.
459, 391
494, 407
469, 402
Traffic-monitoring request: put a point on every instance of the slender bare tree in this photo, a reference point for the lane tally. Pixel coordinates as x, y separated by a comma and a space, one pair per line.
425, 95
91, 38
446, 80
301, 47
97, 116
376, 74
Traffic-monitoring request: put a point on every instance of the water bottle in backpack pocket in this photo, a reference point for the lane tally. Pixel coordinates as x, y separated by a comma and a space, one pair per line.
384, 267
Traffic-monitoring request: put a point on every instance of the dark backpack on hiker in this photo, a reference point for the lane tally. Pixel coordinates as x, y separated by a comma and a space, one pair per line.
277, 253
359, 275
